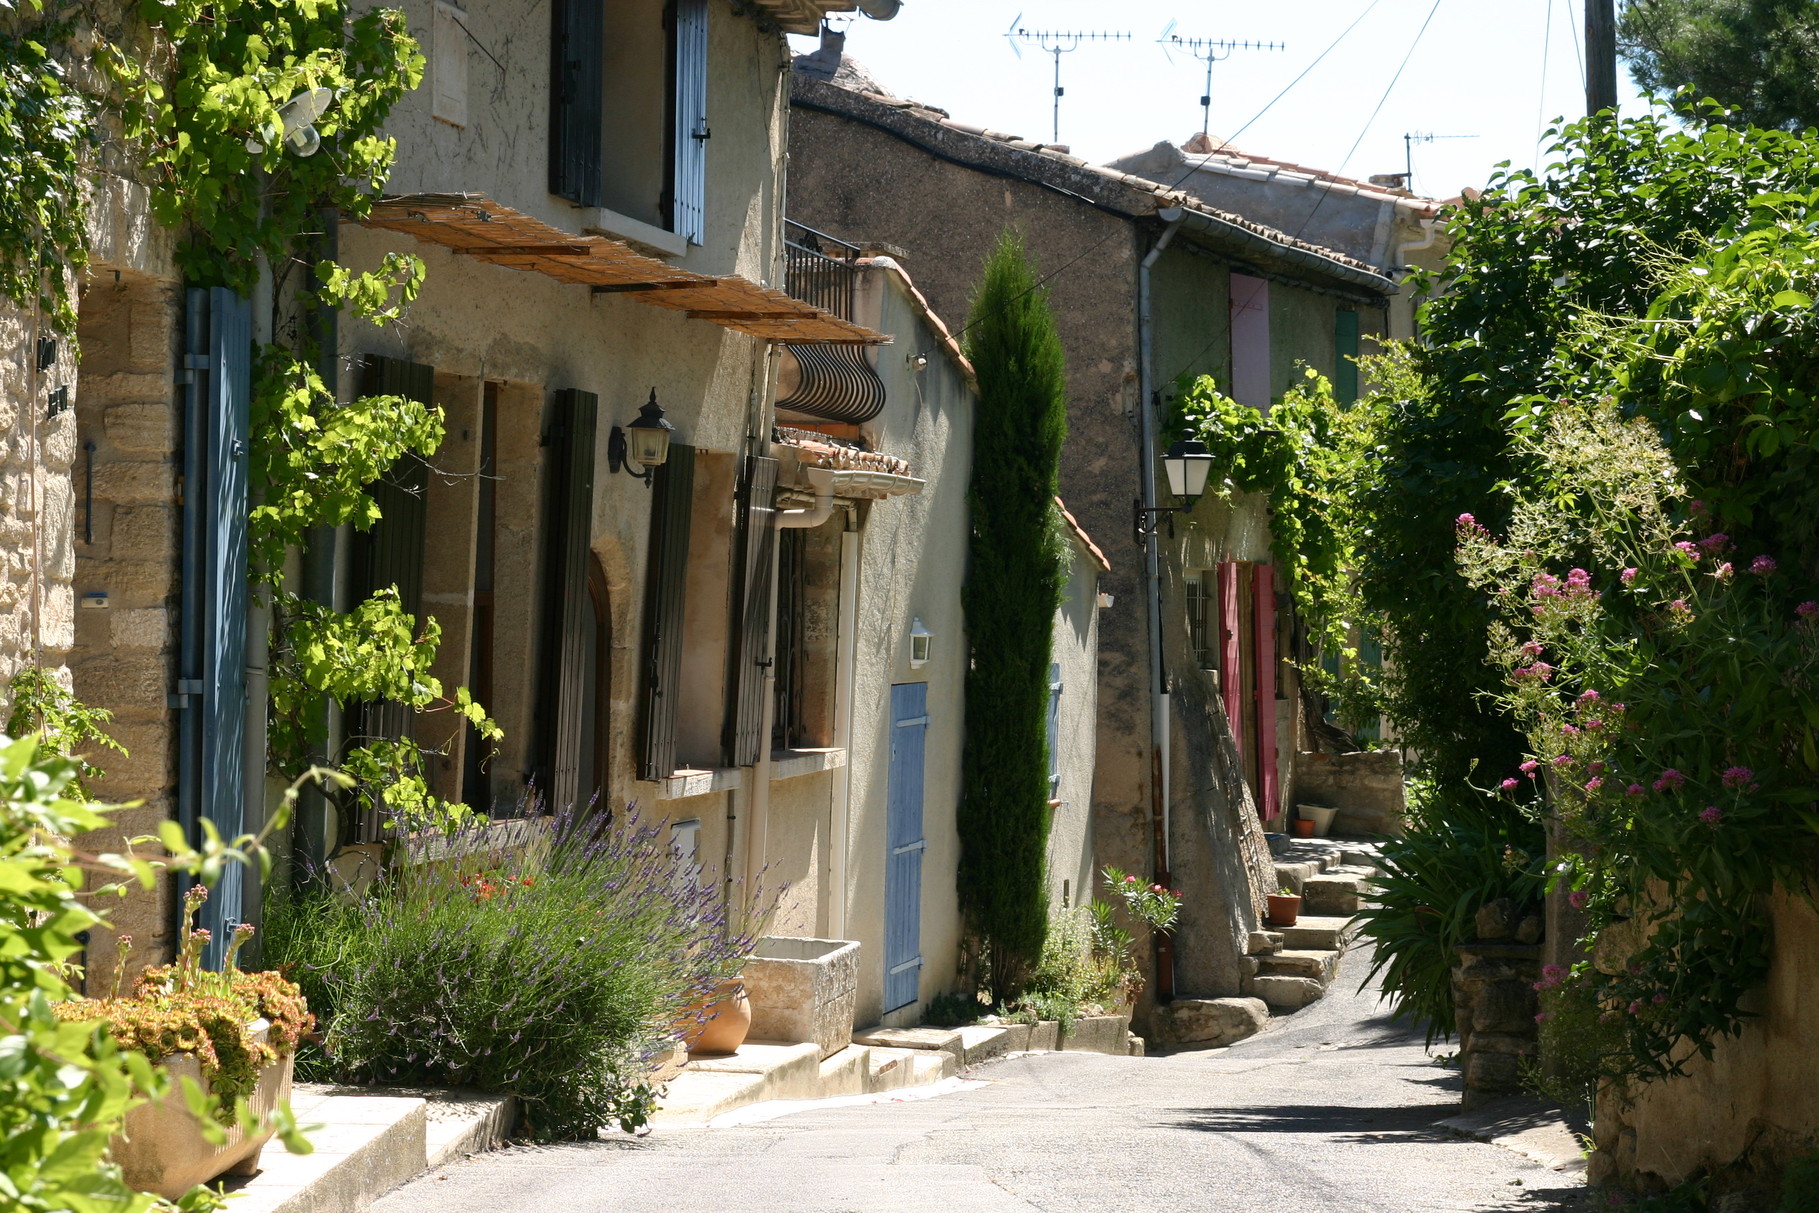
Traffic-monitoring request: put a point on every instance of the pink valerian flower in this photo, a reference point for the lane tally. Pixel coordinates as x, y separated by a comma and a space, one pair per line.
1670, 780
1578, 578
1627, 576
1571, 730
1635, 789
1594, 783
1577, 898
1738, 777
1688, 548
1807, 610
1532, 649
1679, 608
1530, 767
1545, 585
1589, 697
1617, 707
1696, 506
1540, 671
1716, 543
1562, 761
1658, 999
1724, 572
1762, 566
1509, 785
1594, 768
1593, 724
1540, 1016
1635, 1008
1711, 815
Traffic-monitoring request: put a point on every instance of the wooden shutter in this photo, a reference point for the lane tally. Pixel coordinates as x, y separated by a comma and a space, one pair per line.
751, 638
903, 863
390, 553
577, 99
1231, 652
666, 579
1264, 620
211, 688
1250, 328
565, 678
689, 200
1345, 356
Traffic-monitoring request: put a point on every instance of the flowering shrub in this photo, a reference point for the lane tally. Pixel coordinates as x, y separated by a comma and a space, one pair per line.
556, 971
1152, 905
1670, 706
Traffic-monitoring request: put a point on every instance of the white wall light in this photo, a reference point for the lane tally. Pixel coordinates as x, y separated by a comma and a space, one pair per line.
920, 639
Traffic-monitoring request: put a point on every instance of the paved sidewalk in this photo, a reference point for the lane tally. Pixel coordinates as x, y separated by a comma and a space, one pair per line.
1332, 1109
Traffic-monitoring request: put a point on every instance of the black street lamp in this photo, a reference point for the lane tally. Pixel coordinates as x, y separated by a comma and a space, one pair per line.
644, 442
1188, 464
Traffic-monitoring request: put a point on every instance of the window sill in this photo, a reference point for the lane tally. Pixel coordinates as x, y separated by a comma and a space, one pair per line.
598, 221
788, 764
691, 782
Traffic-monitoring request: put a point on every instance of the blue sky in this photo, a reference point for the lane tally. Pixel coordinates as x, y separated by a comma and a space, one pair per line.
1478, 70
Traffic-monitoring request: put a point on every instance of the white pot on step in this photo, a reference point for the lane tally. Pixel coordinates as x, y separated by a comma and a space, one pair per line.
1322, 818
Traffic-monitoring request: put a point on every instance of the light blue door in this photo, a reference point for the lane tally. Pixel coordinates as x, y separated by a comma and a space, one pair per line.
903, 863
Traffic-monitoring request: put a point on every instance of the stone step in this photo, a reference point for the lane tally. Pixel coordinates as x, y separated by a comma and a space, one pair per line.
931, 1067
946, 1039
1333, 895
1097, 1034
846, 1072
1313, 931
1207, 1023
891, 1069
1284, 993
1320, 965
982, 1042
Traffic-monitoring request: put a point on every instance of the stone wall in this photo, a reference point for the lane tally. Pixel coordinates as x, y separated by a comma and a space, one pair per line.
1495, 1002
1366, 788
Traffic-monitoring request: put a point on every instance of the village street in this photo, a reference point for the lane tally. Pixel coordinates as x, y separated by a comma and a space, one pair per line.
1332, 1108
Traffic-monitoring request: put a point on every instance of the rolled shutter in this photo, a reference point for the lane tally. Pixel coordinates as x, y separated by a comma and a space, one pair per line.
565, 679
672, 491
757, 568
577, 100
211, 691
1231, 653
1263, 615
390, 553
690, 197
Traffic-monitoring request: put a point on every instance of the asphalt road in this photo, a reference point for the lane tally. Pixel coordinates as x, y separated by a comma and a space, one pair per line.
1332, 1108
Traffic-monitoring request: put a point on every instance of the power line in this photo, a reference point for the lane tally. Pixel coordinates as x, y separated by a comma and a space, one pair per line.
1547, 34
1304, 71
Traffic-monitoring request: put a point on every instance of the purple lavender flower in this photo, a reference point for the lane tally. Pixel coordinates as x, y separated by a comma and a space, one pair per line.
1762, 566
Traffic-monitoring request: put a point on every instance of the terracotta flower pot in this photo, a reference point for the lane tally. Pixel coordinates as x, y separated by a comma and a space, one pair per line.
718, 1026
1303, 827
1285, 908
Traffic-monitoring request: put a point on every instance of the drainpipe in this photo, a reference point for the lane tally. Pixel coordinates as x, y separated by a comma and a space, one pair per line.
1160, 814
846, 647
309, 829
822, 481
258, 649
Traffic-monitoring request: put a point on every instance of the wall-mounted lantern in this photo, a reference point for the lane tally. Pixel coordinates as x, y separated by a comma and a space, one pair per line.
644, 442
1188, 464
920, 639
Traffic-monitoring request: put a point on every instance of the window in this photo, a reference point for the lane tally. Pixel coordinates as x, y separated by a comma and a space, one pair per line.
808, 590
1250, 327
1199, 619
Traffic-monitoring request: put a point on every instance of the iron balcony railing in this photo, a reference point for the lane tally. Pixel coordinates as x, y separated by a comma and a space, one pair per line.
819, 269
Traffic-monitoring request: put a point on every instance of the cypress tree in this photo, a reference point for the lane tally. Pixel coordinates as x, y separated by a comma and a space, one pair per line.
1016, 569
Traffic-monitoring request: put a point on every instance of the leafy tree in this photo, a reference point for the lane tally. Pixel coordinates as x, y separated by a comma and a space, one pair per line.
1017, 564
1754, 56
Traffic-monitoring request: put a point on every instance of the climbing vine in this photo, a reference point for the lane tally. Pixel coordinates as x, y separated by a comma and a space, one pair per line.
46, 130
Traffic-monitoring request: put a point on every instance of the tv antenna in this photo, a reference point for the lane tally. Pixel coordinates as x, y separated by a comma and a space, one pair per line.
1408, 152
1209, 51
1058, 42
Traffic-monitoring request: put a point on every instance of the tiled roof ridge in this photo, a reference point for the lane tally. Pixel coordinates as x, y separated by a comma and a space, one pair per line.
943, 334
824, 450
1239, 158
1086, 541
1054, 162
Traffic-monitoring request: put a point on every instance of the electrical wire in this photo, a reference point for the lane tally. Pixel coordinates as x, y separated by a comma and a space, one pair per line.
1573, 26
1547, 33
1304, 71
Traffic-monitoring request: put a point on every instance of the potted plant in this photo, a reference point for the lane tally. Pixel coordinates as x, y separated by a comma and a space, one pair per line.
1303, 827
228, 1036
1285, 907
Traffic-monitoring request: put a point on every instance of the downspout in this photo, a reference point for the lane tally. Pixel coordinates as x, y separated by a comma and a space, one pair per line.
758, 797
317, 581
846, 647
1160, 809
258, 650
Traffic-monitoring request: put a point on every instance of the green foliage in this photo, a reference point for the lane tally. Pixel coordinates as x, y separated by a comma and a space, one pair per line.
1462, 851
1800, 1185
1073, 978
1671, 698
1754, 56
1537, 261
211, 89
1016, 572
953, 1010
1310, 455
554, 971
46, 129
1152, 905
44, 708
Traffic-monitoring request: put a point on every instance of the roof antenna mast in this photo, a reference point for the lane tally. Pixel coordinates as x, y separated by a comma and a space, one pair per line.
1058, 42
1209, 51
1409, 141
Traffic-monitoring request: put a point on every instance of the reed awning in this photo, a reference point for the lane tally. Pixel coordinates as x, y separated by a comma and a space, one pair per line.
475, 226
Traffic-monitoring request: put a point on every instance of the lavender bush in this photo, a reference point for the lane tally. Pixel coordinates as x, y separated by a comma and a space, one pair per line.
553, 970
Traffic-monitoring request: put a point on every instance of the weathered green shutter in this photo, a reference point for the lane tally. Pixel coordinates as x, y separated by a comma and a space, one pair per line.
577, 99
666, 579
565, 679
390, 553
1345, 362
751, 638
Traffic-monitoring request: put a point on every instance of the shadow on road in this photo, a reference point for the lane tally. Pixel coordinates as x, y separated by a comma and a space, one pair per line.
1354, 1125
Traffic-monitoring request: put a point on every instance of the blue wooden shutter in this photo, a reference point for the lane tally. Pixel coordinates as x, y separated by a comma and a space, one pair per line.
565, 675
211, 689
691, 135
1054, 732
666, 580
577, 100
1345, 360
903, 863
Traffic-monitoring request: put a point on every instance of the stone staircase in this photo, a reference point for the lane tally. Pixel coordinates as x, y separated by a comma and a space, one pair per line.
1291, 967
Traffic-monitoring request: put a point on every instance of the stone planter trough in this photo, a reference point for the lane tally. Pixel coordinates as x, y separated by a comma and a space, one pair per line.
162, 1149
803, 990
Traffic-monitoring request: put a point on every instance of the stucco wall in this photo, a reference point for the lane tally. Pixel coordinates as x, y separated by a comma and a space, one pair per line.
1753, 1107
1072, 875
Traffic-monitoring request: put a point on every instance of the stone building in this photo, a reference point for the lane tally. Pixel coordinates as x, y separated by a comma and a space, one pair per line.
1197, 730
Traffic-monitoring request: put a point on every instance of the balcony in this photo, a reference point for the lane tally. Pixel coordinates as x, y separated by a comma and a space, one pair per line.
819, 269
